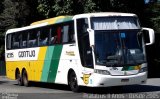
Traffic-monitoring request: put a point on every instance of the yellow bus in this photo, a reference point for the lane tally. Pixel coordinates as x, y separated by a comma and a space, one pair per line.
92, 49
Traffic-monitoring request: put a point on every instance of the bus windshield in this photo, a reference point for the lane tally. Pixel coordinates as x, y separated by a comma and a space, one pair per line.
118, 47
117, 41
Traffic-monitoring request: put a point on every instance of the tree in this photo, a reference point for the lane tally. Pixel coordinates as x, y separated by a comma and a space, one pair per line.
12, 16
89, 6
103, 5
50, 8
153, 13
45, 8
1, 6
63, 7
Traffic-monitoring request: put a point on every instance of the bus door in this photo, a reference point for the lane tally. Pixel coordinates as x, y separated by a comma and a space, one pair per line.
85, 50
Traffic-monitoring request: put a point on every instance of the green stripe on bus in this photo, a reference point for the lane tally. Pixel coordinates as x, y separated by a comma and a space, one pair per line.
47, 63
52, 59
54, 63
67, 18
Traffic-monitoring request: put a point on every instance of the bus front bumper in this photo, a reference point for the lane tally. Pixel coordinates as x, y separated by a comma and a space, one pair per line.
99, 80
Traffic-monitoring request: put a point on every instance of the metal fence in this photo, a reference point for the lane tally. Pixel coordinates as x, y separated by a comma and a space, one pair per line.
2, 68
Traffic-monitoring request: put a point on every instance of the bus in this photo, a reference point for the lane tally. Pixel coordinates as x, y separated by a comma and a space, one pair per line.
102, 49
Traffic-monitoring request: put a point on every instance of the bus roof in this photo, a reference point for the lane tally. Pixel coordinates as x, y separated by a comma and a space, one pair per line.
99, 14
25, 28
60, 19
54, 20
41, 23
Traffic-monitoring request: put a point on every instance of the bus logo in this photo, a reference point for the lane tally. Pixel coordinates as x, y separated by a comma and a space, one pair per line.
86, 78
70, 53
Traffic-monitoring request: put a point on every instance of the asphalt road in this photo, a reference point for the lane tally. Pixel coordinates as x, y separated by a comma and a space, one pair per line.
10, 90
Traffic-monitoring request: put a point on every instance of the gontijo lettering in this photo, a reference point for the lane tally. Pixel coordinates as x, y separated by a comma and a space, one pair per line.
22, 54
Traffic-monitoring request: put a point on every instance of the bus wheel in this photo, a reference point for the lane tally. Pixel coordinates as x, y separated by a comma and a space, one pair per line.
73, 82
19, 79
25, 79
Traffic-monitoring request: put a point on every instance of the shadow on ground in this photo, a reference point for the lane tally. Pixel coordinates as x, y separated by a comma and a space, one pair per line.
111, 90
124, 89
1, 82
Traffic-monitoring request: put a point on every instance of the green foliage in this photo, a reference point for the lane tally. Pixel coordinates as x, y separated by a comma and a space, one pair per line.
12, 15
63, 7
1, 6
45, 7
50, 8
89, 6
133, 6
155, 17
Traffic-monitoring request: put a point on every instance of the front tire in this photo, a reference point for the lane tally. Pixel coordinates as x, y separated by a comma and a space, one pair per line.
73, 84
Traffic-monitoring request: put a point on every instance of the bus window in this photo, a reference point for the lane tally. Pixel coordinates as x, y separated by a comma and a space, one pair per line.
68, 32
56, 35
16, 40
59, 32
44, 35
65, 34
33, 38
71, 33
8, 41
24, 40
53, 36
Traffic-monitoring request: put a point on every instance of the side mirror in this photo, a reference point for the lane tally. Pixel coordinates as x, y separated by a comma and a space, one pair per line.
149, 33
91, 36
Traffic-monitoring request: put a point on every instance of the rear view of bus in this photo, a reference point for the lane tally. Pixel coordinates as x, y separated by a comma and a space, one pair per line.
112, 49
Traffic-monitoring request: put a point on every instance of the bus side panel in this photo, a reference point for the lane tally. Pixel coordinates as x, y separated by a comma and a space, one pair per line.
54, 63
51, 64
35, 72
12, 65
10, 69
68, 60
33, 67
47, 63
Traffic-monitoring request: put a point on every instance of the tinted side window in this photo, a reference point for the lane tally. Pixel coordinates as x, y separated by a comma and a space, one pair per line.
68, 32
33, 38
8, 41
53, 35
56, 34
16, 37
44, 36
24, 39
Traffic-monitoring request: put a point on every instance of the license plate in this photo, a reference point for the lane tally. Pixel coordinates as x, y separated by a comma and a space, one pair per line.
124, 80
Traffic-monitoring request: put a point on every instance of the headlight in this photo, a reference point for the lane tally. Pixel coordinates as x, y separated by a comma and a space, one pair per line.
144, 69
104, 72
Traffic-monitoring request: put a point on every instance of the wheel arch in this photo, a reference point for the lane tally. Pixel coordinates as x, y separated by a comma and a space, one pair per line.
23, 69
69, 72
16, 72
